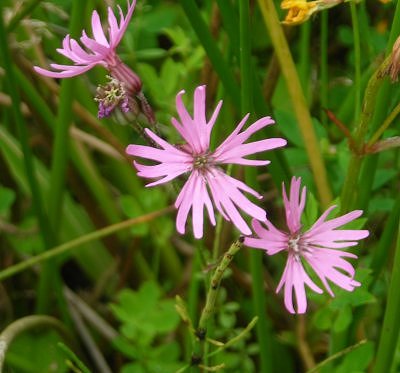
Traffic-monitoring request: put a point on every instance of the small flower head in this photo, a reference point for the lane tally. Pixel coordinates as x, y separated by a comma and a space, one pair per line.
110, 96
299, 11
97, 51
207, 185
317, 246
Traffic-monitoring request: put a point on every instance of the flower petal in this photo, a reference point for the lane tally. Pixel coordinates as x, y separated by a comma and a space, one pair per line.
294, 278
97, 30
326, 263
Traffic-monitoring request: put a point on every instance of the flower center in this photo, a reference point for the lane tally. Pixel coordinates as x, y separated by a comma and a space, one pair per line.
111, 95
202, 162
298, 246
294, 244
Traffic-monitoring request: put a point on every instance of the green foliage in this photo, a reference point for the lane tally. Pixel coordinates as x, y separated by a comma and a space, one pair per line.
145, 317
338, 313
7, 198
73, 362
175, 45
36, 352
358, 360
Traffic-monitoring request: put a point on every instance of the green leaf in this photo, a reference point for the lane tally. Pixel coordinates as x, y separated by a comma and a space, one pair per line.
323, 318
150, 54
73, 358
131, 208
133, 368
310, 214
288, 126
144, 315
170, 75
357, 360
343, 319
7, 198
40, 349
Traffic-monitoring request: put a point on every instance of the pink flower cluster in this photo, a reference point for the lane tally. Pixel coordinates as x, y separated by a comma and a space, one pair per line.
208, 185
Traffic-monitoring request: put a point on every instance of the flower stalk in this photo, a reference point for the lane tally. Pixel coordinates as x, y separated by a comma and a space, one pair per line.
370, 96
263, 329
208, 310
298, 100
391, 322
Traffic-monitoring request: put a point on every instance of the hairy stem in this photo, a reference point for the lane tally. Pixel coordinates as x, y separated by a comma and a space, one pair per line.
208, 310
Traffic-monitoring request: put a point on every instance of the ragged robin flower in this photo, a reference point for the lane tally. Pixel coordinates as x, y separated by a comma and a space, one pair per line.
207, 184
101, 51
317, 247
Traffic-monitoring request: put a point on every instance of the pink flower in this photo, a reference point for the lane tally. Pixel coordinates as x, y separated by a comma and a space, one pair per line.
99, 51
206, 177
316, 246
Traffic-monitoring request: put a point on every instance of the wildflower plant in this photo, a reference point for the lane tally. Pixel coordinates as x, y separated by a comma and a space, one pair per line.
317, 247
67, 183
100, 50
206, 177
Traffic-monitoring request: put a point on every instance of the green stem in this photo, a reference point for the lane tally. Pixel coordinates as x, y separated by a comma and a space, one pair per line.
73, 244
58, 171
304, 61
208, 310
322, 364
381, 253
386, 123
61, 141
370, 96
298, 99
243, 334
324, 66
263, 331
370, 166
44, 225
357, 60
221, 67
391, 322
245, 58
217, 238
24, 324
279, 168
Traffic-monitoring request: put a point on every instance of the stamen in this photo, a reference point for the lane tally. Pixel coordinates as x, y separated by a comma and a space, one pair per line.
295, 247
200, 161
111, 95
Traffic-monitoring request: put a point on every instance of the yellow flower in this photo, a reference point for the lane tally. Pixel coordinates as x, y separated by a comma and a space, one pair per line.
300, 11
